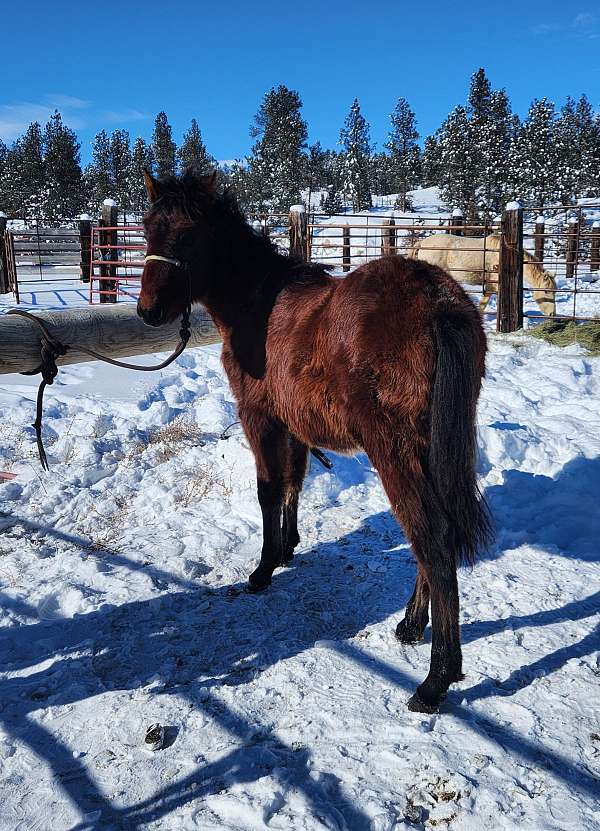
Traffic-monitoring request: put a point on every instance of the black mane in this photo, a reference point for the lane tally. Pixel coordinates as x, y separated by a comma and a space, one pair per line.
200, 197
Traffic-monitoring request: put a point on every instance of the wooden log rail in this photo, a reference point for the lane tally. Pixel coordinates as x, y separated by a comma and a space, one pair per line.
114, 331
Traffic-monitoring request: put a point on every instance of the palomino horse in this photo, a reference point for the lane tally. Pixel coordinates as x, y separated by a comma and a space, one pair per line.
474, 260
389, 360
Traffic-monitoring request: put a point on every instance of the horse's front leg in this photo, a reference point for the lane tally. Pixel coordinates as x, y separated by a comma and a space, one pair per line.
268, 439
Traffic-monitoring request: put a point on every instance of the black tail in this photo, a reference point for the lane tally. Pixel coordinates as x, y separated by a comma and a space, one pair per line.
453, 447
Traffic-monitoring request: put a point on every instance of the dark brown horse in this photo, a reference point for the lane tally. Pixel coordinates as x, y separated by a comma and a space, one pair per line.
389, 360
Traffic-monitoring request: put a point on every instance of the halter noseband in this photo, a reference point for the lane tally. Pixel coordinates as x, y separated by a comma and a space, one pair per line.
159, 258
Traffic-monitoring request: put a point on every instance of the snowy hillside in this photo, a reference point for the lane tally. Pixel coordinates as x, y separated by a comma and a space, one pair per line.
123, 604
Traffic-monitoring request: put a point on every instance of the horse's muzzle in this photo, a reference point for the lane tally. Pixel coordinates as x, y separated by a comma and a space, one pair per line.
154, 316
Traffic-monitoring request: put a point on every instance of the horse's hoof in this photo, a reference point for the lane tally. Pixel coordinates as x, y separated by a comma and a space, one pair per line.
258, 581
407, 635
417, 705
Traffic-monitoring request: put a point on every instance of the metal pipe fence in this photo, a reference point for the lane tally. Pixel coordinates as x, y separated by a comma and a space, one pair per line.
562, 243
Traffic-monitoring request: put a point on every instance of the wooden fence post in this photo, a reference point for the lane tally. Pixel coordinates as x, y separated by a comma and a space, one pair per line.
109, 220
510, 270
595, 247
458, 219
85, 242
572, 245
540, 238
346, 253
388, 238
298, 230
3, 266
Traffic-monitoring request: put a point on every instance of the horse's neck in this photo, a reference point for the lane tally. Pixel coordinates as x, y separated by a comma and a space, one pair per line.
245, 280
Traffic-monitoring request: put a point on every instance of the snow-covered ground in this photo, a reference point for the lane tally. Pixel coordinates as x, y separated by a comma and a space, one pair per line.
122, 603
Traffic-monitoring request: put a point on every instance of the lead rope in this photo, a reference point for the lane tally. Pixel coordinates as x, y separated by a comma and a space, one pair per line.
51, 349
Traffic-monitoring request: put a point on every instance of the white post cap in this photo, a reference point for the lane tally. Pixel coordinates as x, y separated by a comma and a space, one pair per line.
2, 215
513, 206
572, 220
110, 203
297, 209
257, 226
596, 224
84, 216
540, 220
457, 212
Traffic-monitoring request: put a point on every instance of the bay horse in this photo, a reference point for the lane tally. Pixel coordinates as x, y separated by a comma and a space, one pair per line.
388, 360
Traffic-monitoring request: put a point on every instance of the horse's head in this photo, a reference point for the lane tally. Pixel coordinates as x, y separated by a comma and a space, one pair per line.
179, 249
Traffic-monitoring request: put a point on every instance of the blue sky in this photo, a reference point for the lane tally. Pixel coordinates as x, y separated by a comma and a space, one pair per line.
116, 64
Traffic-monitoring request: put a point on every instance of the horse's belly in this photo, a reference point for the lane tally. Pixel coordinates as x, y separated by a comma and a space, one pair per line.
319, 426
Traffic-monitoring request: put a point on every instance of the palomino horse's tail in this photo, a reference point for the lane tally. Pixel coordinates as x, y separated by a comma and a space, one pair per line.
453, 447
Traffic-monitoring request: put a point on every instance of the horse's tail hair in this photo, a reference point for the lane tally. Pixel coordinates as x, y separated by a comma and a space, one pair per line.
452, 454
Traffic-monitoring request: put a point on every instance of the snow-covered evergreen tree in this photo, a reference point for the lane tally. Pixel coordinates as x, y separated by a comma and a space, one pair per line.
404, 152
431, 162
193, 155
492, 130
458, 163
120, 164
356, 155
574, 138
592, 188
277, 162
163, 147
23, 178
141, 159
534, 157
64, 186
99, 180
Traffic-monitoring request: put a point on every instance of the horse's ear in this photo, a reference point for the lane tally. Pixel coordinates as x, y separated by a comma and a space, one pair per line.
152, 186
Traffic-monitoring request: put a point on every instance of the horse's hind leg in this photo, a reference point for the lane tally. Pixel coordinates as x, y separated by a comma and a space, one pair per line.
297, 457
416, 617
416, 507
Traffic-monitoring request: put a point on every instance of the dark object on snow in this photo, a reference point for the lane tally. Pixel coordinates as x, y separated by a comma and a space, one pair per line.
155, 737
389, 360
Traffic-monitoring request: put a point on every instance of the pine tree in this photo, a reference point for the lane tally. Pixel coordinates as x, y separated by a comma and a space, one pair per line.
24, 178
589, 135
141, 160
193, 155
404, 151
163, 147
492, 129
355, 141
534, 157
431, 161
120, 164
593, 186
480, 95
458, 163
99, 180
242, 184
277, 162
64, 195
